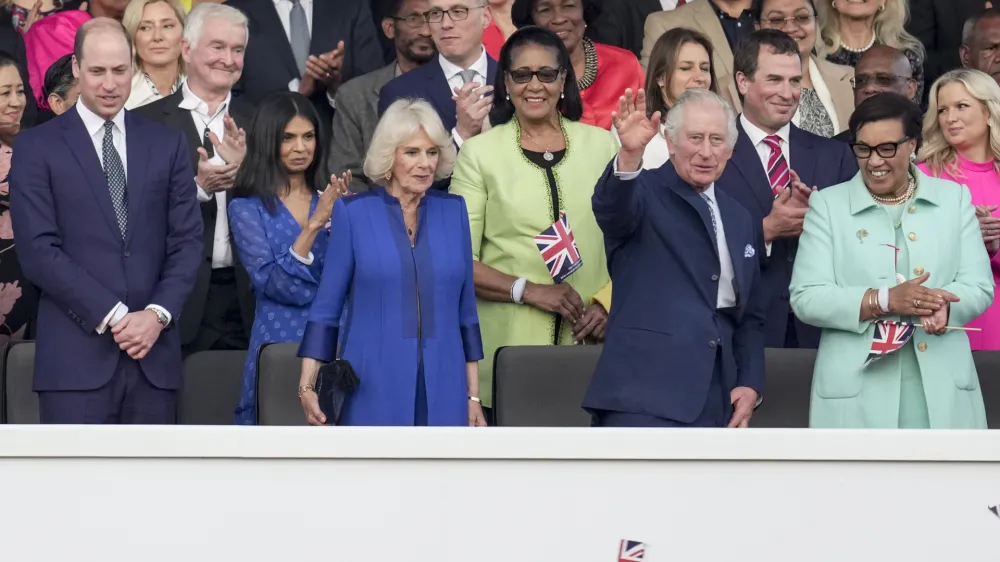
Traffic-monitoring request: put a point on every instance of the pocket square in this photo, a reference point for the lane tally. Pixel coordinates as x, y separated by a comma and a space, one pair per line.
748, 251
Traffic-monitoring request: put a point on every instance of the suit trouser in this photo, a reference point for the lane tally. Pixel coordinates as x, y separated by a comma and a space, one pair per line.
221, 321
717, 411
128, 398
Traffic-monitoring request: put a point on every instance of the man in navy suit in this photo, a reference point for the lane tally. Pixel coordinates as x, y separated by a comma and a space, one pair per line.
108, 227
458, 84
773, 163
684, 343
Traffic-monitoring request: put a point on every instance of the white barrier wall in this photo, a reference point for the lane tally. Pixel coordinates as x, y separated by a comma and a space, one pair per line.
173, 494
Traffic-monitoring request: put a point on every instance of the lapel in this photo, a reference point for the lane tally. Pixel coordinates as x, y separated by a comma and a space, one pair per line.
686, 193
803, 157
736, 245
710, 26
181, 119
491, 70
81, 146
838, 82
138, 153
273, 33
381, 78
747, 163
441, 93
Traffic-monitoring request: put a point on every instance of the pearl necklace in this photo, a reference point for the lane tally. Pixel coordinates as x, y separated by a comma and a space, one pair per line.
897, 200
871, 43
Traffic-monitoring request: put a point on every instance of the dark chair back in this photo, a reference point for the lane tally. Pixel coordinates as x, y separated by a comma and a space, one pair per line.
988, 367
212, 381
543, 386
787, 389
278, 369
20, 401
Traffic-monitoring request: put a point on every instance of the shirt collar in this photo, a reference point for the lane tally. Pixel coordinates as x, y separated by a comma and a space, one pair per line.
94, 122
451, 69
757, 136
192, 102
710, 192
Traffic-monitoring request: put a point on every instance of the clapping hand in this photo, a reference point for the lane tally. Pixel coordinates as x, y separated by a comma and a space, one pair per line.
800, 191
635, 130
334, 190
913, 299
990, 227
214, 177
472, 104
233, 146
326, 67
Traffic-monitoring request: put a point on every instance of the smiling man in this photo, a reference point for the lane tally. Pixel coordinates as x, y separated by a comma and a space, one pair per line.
104, 211
770, 153
459, 84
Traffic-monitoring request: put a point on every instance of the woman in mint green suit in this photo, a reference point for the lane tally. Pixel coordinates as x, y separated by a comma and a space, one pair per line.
892, 244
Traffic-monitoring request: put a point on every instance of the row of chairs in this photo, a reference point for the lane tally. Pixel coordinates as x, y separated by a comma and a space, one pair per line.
535, 386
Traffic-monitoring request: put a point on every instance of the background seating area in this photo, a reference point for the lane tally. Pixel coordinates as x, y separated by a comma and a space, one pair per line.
535, 386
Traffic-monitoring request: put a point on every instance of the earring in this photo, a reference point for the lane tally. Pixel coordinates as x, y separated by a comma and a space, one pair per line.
388, 176
913, 156
508, 97
562, 95
881, 8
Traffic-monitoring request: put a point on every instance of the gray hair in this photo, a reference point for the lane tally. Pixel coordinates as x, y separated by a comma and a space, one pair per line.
403, 120
205, 11
696, 96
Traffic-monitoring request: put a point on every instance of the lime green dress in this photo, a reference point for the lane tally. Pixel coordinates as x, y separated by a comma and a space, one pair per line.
510, 202
912, 401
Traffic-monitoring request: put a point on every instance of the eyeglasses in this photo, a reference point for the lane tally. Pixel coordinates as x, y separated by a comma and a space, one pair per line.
415, 21
884, 150
457, 13
797, 21
545, 75
882, 80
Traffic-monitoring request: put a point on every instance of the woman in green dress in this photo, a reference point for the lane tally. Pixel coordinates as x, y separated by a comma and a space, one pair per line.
892, 244
536, 165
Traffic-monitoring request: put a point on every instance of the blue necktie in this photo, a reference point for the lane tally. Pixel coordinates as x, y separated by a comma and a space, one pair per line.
115, 174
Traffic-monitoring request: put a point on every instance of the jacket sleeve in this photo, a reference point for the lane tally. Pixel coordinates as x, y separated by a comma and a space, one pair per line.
618, 204
973, 282
184, 234
467, 182
39, 239
816, 298
281, 277
748, 340
654, 28
321, 334
472, 341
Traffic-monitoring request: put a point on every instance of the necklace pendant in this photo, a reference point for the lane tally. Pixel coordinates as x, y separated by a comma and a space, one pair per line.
548, 156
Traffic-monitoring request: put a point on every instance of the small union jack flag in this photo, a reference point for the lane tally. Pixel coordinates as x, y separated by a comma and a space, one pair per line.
889, 338
558, 249
632, 551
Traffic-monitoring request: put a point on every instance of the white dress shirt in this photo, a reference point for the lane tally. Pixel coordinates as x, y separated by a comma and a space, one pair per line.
668, 4
726, 296
222, 250
453, 73
764, 150
284, 8
95, 128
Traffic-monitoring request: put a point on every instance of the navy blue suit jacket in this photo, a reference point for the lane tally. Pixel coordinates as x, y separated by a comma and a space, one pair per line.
665, 331
818, 161
70, 246
427, 82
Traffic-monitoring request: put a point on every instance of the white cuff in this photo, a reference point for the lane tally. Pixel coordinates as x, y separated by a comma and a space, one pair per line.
330, 98
162, 310
305, 261
767, 248
883, 299
203, 196
457, 137
626, 175
113, 317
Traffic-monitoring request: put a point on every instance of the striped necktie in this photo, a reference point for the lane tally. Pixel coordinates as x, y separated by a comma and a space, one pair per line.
777, 167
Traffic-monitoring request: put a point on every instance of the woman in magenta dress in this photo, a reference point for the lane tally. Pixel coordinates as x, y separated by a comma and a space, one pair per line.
603, 72
962, 144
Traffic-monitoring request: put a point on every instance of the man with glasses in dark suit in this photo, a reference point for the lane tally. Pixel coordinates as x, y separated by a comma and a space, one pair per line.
881, 69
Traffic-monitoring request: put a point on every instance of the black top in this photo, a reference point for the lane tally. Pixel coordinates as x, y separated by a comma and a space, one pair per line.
735, 28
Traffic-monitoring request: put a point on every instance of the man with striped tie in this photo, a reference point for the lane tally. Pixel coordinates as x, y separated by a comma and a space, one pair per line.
775, 165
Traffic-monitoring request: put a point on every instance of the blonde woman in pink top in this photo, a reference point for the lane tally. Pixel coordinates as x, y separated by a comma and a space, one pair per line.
962, 144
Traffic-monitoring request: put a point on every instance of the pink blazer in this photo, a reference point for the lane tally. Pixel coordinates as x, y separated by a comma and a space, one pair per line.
48, 40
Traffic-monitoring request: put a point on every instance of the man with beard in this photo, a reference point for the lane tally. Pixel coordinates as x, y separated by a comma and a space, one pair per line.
357, 101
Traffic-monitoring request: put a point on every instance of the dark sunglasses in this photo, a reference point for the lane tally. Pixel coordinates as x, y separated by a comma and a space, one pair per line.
545, 75
885, 150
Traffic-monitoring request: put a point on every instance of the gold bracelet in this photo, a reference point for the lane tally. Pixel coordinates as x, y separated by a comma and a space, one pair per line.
306, 388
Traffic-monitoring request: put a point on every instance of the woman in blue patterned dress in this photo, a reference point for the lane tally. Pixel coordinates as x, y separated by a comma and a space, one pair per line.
279, 220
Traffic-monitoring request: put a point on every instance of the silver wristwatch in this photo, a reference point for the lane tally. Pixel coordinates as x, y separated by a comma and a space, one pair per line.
160, 316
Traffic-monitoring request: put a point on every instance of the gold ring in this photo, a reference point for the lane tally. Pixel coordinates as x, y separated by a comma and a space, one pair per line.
916, 303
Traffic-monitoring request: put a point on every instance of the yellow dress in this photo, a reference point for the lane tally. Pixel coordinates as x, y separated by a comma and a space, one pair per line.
509, 203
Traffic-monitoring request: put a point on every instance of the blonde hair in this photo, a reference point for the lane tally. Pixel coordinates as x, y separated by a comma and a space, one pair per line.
888, 28
133, 17
405, 119
940, 156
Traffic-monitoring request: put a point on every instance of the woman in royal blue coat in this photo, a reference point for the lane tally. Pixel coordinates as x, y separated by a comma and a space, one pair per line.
399, 262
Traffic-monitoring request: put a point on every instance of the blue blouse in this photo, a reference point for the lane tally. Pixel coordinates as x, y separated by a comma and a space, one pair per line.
284, 286
411, 323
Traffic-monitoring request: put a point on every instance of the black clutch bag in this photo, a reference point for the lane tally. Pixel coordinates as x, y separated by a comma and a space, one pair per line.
334, 385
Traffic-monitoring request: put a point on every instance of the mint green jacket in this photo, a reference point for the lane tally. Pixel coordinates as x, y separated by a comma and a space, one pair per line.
842, 253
